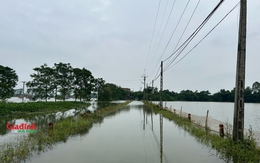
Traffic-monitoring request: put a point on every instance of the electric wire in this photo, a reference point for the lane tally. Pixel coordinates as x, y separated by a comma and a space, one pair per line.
198, 29
164, 31
206, 35
186, 43
156, 74
159, 30
186, 26
153, 31
175, 27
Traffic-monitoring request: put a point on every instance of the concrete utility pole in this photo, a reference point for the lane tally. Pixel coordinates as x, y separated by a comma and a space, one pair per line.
238, 123
161, 86
144, 76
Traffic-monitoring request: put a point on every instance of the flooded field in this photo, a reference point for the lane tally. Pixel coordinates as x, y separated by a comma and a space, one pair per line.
222, 111
134, 134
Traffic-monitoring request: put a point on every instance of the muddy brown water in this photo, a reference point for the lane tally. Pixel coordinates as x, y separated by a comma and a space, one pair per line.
133, 135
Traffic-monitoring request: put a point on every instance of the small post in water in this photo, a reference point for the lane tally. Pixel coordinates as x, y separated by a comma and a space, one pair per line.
189, 117
206, 123
50, 126
221, 130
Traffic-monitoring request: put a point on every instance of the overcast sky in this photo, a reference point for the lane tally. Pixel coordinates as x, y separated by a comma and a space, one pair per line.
118, 40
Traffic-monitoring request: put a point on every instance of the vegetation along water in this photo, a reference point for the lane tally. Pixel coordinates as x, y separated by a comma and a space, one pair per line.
26, 146
19, 109
246, 151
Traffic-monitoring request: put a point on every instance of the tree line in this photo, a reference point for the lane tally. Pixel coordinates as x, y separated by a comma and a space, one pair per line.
61, 81
251, 95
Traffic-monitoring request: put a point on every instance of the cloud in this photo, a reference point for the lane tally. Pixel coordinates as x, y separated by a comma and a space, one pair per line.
112, 39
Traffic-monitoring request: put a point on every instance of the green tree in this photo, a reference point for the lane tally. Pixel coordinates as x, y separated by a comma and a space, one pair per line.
64, 78
248, 95
8, 80
187, 95
112, 92
106, 94
42, 82
223, 96
139, 95
83, 83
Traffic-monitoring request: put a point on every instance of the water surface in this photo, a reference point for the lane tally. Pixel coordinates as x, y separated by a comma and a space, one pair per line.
133, 135
222, 111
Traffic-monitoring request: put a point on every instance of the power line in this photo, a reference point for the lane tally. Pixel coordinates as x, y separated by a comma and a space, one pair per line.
205, 36
163, 31
186, 26
176, 27
198, 29
153, 32
173, 30
186, 43
193, 35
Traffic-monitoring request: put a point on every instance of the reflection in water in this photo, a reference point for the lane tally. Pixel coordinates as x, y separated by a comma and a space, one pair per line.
128, 136
161, 138
143, 120
43, 120
147, 111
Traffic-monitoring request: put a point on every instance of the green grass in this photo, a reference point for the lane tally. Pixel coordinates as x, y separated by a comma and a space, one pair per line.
14, 109
242, 152
24, 147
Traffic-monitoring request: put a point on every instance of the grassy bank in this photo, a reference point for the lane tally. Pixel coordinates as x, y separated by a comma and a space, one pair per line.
14, 109
243, 152
24, 147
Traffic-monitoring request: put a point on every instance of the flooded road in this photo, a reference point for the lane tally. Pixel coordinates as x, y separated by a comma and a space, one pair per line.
133, 135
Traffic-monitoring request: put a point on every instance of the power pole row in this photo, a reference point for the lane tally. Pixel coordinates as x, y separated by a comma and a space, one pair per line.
238, 121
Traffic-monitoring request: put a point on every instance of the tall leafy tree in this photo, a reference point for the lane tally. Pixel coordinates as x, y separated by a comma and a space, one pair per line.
64, 78
8, 80
248, 95
42, 83
112, 92
83, 83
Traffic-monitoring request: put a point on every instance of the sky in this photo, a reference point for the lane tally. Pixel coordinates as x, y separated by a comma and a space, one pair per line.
121, 41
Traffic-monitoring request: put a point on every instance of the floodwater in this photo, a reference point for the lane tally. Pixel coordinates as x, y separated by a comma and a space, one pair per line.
222, 111
133, 135
42, 120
